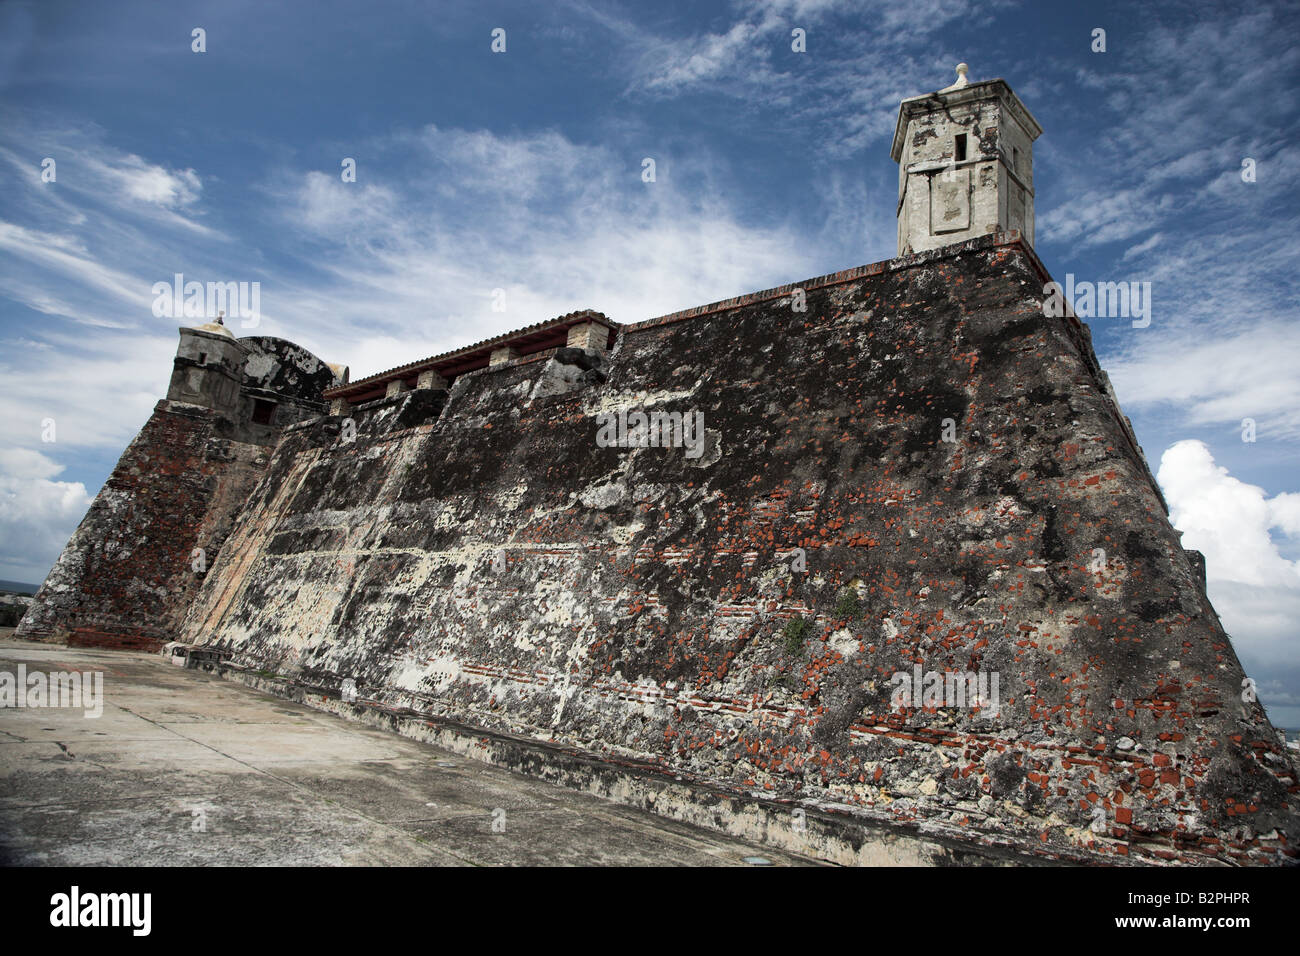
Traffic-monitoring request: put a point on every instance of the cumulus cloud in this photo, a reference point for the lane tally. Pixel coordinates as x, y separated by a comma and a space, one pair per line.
23, 463
1284, 513
37, 515
1225, 518
1254, 588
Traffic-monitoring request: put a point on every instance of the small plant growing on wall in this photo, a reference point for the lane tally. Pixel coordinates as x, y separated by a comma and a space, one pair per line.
795, 630
848, 607
781, 680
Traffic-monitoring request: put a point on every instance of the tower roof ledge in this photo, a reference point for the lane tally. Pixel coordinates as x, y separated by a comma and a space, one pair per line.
978, 90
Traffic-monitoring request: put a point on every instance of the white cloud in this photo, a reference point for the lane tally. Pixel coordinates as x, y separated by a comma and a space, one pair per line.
37, 516
1226, 519
409, 269
69, 258
149, 182
1104, 215
1146, 245
862, 57
93, 177
1284, 513
98, 391
25, 463
329, 204
1254, 589
691, 61
1216, 374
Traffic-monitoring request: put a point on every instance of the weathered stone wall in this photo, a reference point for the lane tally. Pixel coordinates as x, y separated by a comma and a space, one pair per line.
127, 575
476, 555
129, 572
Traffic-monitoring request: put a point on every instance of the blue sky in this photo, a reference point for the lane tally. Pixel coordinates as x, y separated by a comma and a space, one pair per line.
522, 171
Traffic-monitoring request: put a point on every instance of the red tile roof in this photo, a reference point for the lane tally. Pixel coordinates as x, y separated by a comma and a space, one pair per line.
537, 337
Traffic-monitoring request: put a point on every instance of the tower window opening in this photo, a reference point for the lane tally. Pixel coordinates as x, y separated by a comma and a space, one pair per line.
1015, 160
262, 411
959, 153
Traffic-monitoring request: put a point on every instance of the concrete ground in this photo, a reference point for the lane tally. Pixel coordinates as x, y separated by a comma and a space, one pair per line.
186, 769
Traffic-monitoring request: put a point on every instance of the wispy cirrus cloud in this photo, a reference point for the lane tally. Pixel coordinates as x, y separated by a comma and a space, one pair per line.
556, 225
1210, 376
861, 58
399, 265
87, 178
1162, 199
67, 257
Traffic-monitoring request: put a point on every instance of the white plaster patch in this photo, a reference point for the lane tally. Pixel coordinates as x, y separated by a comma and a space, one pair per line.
511, 499
442, 671
561, 603
622, 534
260, 365
844, 642
604, 496
648, 492
612, 402
712, 449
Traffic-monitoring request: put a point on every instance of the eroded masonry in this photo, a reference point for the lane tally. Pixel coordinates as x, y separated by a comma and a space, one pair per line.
905, 468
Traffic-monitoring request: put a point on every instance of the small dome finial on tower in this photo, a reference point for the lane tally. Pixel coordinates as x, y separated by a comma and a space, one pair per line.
962, 70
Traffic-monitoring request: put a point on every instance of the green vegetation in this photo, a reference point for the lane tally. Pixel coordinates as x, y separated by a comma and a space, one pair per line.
795, 630
848, 606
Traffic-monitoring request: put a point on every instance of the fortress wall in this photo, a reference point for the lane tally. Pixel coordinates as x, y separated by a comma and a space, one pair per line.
127, 576
485, 561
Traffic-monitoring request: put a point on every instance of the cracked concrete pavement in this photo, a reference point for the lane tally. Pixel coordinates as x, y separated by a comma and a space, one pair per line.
183, 768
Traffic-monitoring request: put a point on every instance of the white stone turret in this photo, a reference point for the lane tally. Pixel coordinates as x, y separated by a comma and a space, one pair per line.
966, 164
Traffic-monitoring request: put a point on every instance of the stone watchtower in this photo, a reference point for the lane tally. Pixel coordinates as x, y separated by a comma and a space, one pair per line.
965, 164
209, 367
